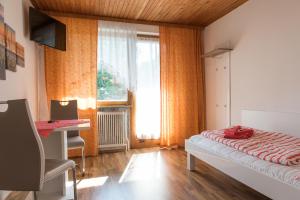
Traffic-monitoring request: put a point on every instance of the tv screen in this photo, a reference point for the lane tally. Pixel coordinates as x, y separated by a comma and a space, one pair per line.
47, 30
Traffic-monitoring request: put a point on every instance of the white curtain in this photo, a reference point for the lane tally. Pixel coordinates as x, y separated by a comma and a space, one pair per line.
133, 63
117, 52
148, 89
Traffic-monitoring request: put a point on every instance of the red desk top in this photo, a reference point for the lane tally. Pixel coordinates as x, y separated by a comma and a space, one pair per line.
44, 128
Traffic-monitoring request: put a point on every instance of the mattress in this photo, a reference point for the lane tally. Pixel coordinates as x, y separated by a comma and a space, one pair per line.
286, 174
274, 147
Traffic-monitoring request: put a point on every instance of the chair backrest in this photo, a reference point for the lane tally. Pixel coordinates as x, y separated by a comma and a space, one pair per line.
22, 157
64, 110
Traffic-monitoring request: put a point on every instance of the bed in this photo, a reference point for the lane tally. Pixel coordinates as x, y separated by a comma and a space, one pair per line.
273, 180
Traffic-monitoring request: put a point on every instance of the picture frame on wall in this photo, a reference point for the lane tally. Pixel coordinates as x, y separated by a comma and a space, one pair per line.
20, 55
2, 45
10, 41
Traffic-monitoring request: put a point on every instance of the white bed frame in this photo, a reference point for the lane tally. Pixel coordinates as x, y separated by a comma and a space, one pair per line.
271, 121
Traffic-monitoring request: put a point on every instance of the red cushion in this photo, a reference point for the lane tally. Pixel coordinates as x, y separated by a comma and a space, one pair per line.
238, 133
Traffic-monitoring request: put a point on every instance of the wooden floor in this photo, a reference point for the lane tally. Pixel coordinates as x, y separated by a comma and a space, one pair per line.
153, 174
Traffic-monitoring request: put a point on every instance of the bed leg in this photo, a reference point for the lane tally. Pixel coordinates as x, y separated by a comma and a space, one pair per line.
190, 162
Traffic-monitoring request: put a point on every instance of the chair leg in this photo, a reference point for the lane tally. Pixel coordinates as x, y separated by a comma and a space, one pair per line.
35, 195
83, 161
74, 183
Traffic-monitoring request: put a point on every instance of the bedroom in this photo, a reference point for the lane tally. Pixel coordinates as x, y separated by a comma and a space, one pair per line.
214, 64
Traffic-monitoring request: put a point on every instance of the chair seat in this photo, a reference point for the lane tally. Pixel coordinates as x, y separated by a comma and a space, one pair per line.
74, 142
54, 168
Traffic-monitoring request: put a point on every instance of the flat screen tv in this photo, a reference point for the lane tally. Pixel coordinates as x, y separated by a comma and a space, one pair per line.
47, 30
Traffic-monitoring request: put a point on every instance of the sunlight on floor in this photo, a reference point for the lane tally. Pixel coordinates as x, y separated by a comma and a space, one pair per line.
146, 166
90, 182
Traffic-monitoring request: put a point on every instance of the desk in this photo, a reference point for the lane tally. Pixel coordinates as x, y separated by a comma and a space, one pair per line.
56, 147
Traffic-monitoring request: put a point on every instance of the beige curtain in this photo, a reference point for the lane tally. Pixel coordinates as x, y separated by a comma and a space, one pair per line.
71, 74
182, 85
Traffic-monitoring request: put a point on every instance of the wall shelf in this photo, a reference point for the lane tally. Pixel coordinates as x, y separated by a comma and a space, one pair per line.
216, 52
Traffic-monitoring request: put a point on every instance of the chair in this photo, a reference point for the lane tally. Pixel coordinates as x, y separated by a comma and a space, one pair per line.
65, 110
23, 165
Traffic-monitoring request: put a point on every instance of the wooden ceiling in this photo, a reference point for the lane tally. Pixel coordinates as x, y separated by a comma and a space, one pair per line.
187, 12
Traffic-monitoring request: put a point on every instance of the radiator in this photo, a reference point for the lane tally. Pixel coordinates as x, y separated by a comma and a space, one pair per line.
113, 130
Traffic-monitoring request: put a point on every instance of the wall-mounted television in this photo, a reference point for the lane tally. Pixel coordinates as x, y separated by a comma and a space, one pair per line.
47, 30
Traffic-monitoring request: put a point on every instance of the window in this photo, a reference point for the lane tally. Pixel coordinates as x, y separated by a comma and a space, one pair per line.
109, 88
116, 59
128, 61
111, 77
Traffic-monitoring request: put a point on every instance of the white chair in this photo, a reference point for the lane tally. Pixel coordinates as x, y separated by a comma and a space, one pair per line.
23, 165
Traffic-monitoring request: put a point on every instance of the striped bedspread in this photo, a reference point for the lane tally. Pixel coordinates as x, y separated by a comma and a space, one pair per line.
270, 146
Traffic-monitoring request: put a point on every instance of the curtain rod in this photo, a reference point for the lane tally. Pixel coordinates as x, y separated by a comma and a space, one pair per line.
96, 17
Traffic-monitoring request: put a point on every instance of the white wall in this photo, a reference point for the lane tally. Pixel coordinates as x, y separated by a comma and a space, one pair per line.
265, 62
23, 83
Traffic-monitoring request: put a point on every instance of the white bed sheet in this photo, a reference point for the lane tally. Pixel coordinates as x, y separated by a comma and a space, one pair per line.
286, 174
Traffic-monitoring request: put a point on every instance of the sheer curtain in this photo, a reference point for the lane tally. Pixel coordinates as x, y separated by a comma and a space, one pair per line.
117, 54
148, 89
133, 62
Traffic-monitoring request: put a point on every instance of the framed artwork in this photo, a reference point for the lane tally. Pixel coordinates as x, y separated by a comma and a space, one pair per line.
20, 55
2, 45
10, 41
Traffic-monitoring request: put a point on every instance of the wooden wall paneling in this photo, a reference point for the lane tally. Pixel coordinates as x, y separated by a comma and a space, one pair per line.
71, 74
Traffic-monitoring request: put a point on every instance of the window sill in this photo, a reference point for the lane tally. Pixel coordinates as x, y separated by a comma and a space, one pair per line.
112, 103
